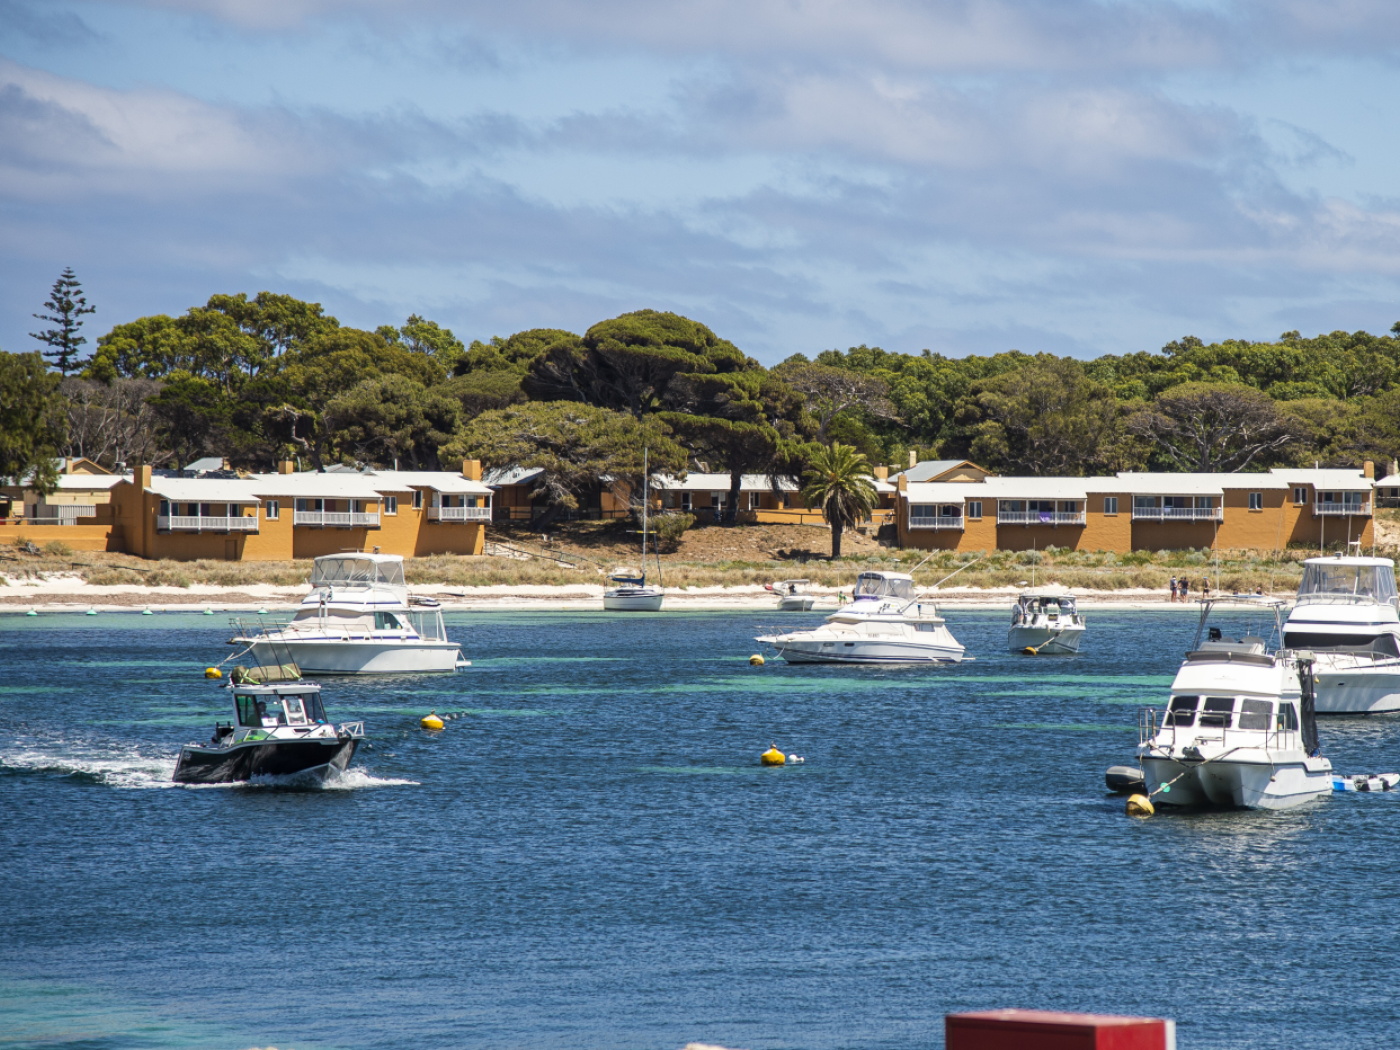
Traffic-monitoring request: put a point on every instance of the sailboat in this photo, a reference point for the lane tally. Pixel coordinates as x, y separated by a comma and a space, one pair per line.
633, 593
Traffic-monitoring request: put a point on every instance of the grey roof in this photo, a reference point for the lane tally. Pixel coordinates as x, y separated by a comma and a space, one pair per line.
208, 463
929, 469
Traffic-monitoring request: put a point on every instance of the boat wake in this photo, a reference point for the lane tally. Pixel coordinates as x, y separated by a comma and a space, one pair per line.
350, 780
123, 770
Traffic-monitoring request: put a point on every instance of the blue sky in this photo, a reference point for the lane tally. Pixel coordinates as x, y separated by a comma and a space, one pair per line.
968, 176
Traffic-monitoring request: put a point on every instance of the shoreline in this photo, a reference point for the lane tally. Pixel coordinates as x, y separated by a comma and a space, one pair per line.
69, 596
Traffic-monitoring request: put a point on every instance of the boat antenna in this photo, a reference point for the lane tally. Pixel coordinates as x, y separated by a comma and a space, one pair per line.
940, 583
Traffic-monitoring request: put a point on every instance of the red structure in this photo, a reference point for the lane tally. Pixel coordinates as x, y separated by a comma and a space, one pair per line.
1047, 1030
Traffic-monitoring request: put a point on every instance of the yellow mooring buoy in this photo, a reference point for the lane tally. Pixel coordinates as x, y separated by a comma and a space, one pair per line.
755, 660
1139, 806
431, 721
213, 672
772, 757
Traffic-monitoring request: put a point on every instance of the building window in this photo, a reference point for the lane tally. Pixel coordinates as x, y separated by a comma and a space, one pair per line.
1110, 504
686, 504
1300, 495
974, 508
1256, 501
271, 509
755, 500
391, 504
417, 499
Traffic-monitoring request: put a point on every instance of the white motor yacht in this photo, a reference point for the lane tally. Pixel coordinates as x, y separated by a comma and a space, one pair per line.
1045, 622
793, 595
1239, 729
1345, 613
356, 619
884, 623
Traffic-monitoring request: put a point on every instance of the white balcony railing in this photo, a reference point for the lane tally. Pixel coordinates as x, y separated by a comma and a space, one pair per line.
63, 515
200, 523
459, 513
937, 522
1040, 517
342, 519
1329, 509
1178, 514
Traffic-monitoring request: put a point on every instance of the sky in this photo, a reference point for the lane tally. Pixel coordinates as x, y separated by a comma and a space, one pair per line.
966, 176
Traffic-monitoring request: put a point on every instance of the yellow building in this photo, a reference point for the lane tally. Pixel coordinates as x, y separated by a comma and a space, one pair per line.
277, 517
1139, 511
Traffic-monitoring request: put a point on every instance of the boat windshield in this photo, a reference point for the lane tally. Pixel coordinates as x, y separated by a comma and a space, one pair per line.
265, 712
356, 572
878, 585
1332, 581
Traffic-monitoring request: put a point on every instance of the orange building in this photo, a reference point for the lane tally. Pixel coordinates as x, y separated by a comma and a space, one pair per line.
1139, 511
277, 517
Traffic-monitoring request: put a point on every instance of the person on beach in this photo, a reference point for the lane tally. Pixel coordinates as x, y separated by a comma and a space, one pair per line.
1205, 587
1173, 588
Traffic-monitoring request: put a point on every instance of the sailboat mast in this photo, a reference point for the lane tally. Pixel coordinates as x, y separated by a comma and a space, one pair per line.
646, 498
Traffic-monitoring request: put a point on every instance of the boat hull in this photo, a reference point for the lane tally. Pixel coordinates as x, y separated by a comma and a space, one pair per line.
1237, 785
816, 651
317, 758
1045, 639
1348, 685
350, 656
649, 602
796, 603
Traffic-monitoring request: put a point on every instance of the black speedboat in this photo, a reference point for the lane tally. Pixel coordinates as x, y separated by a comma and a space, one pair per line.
279, 729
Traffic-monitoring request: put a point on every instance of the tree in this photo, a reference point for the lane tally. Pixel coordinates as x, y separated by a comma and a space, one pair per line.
838, 481
32, 424
66, 306
580, 448
192, 417
829, 391
112, 423
393, 419
1046, 417
426, 337
1216, 427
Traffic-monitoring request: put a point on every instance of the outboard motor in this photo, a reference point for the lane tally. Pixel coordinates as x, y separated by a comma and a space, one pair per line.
1307, 683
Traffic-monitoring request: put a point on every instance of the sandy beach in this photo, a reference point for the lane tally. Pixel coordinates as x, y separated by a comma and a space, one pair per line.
64, 592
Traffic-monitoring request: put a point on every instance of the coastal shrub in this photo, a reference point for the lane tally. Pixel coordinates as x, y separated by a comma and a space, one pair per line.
113, 575
670, 527
58, 548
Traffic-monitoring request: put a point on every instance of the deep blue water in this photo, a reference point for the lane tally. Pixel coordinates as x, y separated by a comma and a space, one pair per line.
592, 857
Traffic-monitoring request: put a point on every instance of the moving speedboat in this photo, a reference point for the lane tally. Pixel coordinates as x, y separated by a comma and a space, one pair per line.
1240, 727
279, 729
357, 619
1346, 614
885, 623
1045, 622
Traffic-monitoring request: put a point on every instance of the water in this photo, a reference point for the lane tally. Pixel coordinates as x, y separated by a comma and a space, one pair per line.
591, 856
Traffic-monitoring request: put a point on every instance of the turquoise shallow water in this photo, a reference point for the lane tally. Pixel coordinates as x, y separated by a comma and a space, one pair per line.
589, 856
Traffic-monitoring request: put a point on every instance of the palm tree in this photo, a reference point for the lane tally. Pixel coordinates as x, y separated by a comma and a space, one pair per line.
838, 480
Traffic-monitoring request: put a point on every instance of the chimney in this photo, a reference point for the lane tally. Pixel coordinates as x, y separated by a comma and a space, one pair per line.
913, 457
1368, 469
882, 473
68, 465
143, 476
471, 469
903, 483
286, 466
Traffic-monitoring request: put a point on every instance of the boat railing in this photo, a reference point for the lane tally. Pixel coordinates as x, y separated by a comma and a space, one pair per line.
352, 729
1331, 598
1152, 723
427, 625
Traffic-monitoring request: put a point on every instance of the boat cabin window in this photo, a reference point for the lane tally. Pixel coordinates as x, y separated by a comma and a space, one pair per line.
1287, 717
1217, 711
296, 714
1383, 645
1256, 714
256, 713
1182, 711
1329, 579
878, 585
356, 572
384, 621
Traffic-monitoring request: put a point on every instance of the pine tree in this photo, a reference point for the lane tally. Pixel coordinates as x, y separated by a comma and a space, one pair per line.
66, 307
